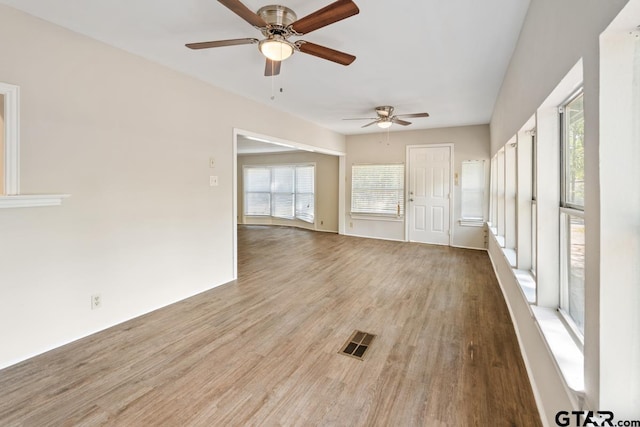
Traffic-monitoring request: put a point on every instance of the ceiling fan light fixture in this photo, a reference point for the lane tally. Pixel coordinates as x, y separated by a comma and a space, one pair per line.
275, 49
384, 124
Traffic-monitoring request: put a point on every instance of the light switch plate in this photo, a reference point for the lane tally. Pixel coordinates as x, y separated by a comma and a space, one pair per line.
213, 181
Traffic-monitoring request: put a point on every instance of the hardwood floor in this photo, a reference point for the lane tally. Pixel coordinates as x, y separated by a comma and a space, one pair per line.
264, 350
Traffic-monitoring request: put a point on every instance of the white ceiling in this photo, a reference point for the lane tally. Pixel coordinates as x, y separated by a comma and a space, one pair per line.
447, 58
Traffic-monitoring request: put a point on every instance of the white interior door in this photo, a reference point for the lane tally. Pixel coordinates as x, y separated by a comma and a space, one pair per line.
429, 194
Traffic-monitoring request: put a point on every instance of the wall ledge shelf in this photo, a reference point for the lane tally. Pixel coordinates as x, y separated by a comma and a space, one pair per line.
32, 200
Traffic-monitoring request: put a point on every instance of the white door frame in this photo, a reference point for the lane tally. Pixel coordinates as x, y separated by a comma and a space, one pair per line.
407, 170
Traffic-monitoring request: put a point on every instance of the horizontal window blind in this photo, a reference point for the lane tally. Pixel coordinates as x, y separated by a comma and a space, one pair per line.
305, 193
281, 191
377, 189
472, 190
257, 191
282, 205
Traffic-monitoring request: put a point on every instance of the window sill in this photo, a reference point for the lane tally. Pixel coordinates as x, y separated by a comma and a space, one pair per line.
511, 256
565, 351
32, 200
527, 283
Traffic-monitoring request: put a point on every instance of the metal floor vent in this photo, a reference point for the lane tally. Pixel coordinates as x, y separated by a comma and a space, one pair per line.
357, 345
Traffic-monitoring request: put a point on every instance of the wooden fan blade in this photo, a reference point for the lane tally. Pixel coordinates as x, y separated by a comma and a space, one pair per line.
413, 115
272, 68
325, 53
220, 43
400, 122
334, 12
244, 12
369, 124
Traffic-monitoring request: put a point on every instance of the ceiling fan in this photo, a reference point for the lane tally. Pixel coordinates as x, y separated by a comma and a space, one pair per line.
386, 117
278, 23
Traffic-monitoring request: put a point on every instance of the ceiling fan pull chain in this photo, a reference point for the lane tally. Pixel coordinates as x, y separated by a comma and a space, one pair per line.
273, 95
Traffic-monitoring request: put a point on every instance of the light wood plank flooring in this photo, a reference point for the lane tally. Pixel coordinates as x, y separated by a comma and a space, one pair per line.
264, 350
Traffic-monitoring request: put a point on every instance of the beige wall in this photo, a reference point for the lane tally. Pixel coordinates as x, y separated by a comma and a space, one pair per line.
470, 143
130, 141
326, 188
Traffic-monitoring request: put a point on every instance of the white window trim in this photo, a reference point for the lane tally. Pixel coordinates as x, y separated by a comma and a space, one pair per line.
12, 197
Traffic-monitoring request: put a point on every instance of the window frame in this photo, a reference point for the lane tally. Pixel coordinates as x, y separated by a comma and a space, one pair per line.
565, 211
479, 188
563, 149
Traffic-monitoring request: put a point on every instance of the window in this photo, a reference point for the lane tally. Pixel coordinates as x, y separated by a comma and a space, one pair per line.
472, 190
534, 207
283, 191
494, 194
305, 193
500, 212
572, 119
257, 191
377, 189
572, 268
572, 227
510, 196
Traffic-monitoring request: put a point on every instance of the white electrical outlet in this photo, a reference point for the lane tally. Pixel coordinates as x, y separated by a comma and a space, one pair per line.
96, 301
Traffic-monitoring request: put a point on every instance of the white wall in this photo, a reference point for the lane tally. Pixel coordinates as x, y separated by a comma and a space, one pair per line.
130, 141
326, 188
555, 36
470, 143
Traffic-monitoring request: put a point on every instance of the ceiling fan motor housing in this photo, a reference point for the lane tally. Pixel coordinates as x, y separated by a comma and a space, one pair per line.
384, 111
278, 17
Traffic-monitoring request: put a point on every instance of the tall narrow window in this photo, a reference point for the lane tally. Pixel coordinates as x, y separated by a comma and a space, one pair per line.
572, 228
305, 193
500, 179
282, 203
257, 191
534, 204
377, 189
494, 194
472, 191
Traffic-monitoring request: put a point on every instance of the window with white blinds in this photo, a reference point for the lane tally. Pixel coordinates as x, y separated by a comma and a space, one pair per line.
281, 191
472, 190
377, 189
305, 193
